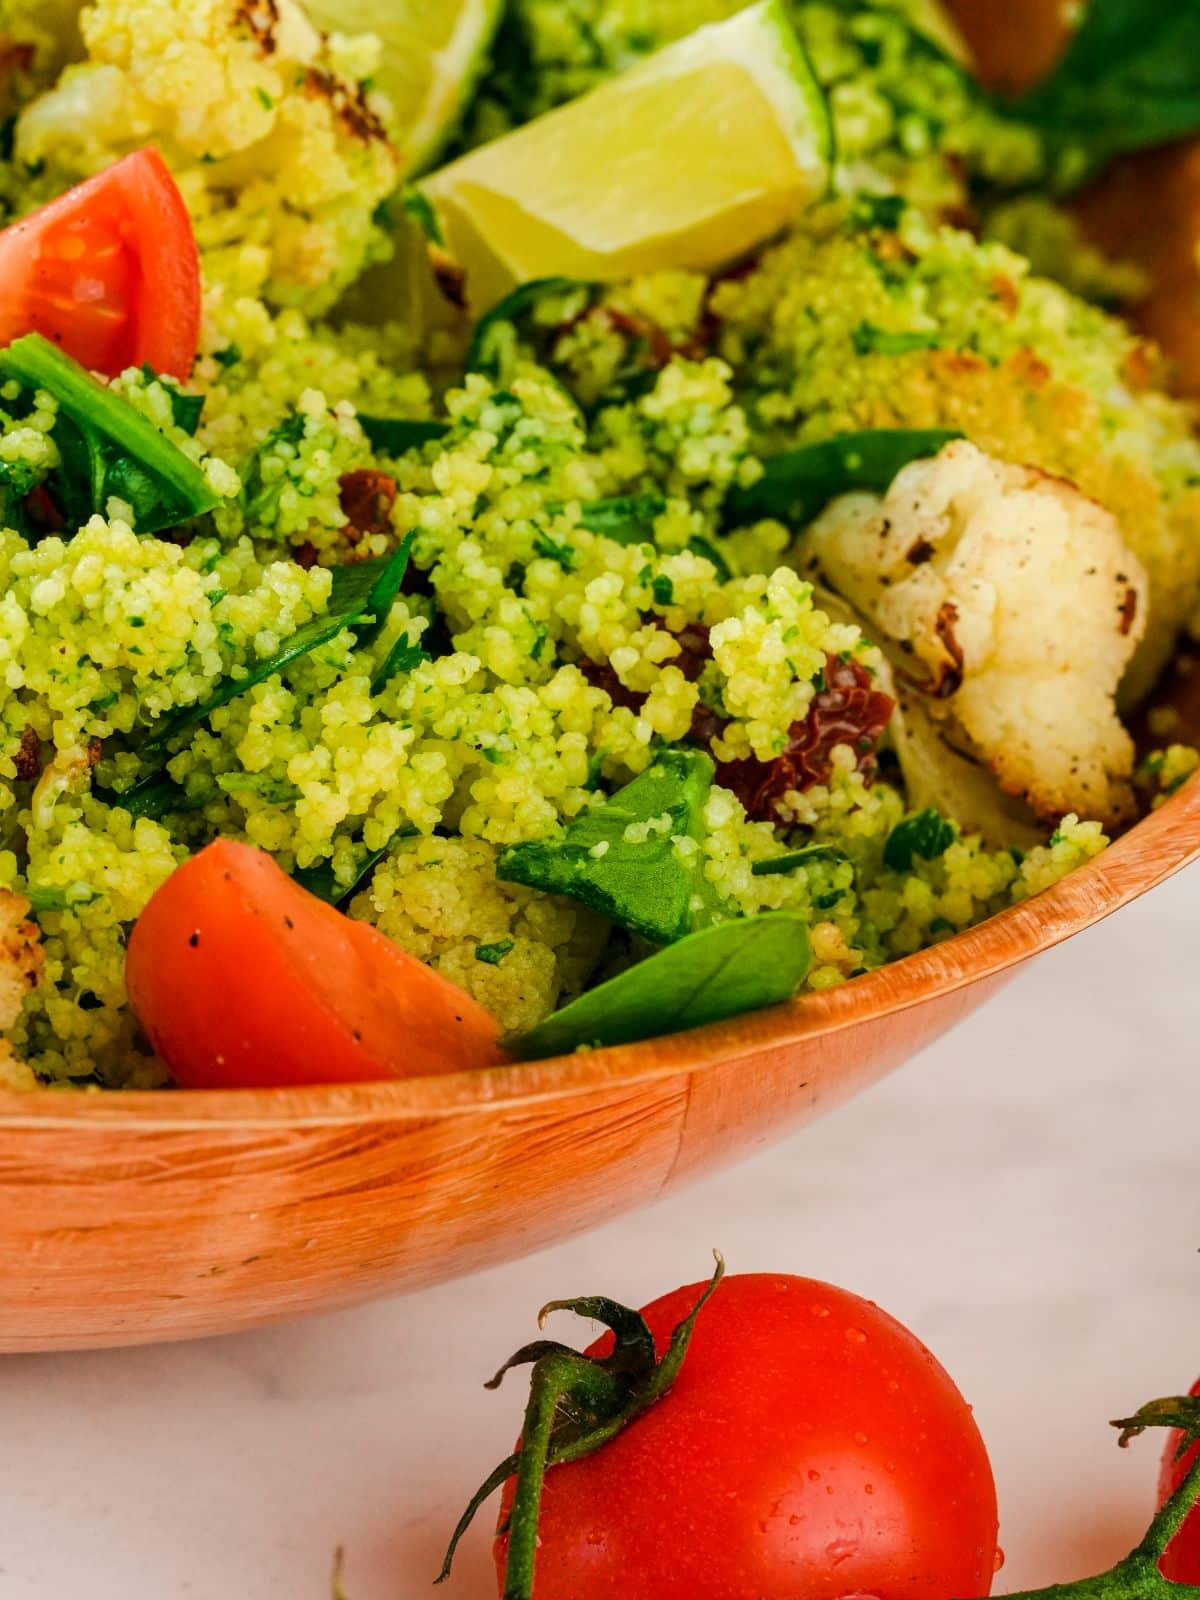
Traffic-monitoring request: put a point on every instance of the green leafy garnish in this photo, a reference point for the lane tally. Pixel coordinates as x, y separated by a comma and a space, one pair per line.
157, 796
323, 882
776, 866
718, 972
395, 436
260, 498
494, 339
78, 894
186, 409
107, 448
493, 954
625, 518
402, 657
1127, 81
798, 485
927, 835
360, 599
621, 858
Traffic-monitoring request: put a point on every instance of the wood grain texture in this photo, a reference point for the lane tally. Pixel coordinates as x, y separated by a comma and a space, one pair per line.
144, 1217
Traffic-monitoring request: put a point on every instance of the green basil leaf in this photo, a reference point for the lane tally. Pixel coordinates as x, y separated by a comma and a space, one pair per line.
796, 486
928, 835
107, 447
716, 973
360, 599
395, 436
1127, 81
644, 884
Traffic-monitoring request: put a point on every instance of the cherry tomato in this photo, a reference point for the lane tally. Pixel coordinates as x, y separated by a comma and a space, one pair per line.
242, 979
1182, 1561
109, 271
810, 1446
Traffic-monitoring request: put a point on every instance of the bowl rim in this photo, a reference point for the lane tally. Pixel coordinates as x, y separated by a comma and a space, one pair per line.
1156, 848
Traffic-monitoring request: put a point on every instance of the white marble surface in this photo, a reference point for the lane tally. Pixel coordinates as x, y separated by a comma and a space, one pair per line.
1026, 1197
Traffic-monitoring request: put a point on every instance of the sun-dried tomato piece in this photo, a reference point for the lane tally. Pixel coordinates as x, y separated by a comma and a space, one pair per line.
366, 498
28, 759
602, 676
849, 710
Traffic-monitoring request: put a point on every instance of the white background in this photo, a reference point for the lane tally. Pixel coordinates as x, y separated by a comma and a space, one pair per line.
1024, 1196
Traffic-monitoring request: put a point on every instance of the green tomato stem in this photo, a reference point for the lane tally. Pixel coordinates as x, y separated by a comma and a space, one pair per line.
1137, 1576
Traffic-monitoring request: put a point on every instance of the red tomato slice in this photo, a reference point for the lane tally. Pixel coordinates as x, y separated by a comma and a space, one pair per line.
811, 1446
242, 979
109, 272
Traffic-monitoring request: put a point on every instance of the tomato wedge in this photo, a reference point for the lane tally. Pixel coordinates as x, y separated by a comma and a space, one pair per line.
241, 979
109, 272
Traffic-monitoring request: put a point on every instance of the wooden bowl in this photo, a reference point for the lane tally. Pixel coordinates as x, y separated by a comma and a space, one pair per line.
140, 1217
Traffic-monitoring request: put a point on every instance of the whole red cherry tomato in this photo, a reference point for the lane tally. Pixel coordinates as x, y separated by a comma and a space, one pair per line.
1182, 1561
810, 1446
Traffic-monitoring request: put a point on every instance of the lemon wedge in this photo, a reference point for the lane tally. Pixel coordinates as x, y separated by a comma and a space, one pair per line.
687, 160
433, 54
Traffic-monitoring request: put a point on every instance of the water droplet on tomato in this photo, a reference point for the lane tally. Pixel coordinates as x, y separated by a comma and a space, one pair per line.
813, 1475
794, 1521
860, 1438
889, 1466
998, 1559
841, 1550
818, 1310
856, 1336
893, 1386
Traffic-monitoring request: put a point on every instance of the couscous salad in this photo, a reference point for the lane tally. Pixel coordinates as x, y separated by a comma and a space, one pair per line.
539, 526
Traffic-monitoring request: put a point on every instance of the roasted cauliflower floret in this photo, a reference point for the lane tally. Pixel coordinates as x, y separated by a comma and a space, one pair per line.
1017, 606
269, 127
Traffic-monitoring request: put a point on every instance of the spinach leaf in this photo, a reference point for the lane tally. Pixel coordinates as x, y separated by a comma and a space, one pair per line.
107, 447
493, 338
799, 484
394, 436
360, 600
642, 883
320, 880
716, 973
927, 835
776, 866
1127, 81
624, 518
